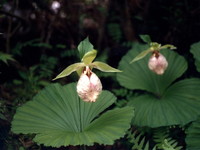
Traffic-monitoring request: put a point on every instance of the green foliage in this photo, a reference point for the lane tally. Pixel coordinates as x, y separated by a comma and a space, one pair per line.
34, 78
115, 32
6, 57
162, 105
138, 141
88, 56
17, 50
69, 53
123, 94
84, 47
29, 84
46, 66
194, 49
146, 38
59, 118
193, 135
164, 141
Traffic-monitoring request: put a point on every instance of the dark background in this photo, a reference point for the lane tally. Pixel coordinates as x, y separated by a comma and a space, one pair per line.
42, 41
108, 23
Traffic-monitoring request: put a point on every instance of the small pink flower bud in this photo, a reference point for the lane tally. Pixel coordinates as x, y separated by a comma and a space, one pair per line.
89, 86
157, 63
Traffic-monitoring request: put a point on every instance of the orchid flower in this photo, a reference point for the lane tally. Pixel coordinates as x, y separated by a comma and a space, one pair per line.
89, 85
157, 62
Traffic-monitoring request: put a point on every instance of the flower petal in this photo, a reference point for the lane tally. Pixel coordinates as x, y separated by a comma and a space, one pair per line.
89, 86
158, 63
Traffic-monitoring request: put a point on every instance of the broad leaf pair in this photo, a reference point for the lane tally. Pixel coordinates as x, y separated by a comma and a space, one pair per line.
59, 118
166, 103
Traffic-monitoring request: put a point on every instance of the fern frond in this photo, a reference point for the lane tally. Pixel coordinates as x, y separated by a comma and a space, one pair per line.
164, 141
170, 145
138, 141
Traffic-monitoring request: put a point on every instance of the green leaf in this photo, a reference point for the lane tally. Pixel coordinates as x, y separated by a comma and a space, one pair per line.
2, 116
167, 145
142, 55
59, 117
84, 47
89, 57
146, 38
5, 57
138, 141
194, 49
67, 71
104, 67
178, 105
193, 136
138, 76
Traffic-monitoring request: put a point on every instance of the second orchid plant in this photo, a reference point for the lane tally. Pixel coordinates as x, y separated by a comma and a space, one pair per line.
157, 62
89, 85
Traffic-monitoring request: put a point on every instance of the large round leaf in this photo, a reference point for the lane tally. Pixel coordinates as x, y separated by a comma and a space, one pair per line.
179, 104
59, 118
193, 136
138, 76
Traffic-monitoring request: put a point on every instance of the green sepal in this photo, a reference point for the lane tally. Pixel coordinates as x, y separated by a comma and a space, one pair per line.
168, 46
89, 57
142, 55
103, 67
67, 71
79, 71
155, 46
84, 47
145, 38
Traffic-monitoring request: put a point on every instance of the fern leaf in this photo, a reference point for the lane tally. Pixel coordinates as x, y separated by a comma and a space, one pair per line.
138, 141
164, 141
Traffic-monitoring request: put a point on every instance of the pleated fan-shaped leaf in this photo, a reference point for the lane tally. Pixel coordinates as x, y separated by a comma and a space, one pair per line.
179, 105
166, 102
58, 117
138, 76
193, 136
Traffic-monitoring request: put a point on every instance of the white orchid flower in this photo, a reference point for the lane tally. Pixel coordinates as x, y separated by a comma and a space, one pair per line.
157, 63
89, 86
